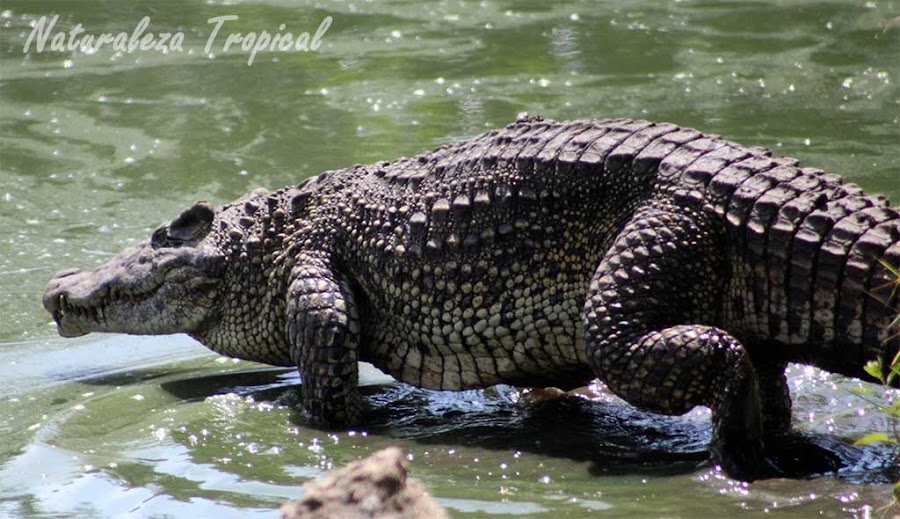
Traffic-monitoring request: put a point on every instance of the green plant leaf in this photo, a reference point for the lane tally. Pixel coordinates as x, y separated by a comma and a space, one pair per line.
890, 268
893, 410
897, 493
862, 390
875, 437
873, 367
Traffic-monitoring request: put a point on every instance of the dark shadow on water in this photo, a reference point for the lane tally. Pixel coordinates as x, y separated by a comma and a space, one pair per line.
198, 387
124, 378
257, 383
615, 438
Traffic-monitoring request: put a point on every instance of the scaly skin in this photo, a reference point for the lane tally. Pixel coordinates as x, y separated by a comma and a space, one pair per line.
680, 268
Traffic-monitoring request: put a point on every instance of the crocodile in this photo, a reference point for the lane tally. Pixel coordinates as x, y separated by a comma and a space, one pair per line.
679, 268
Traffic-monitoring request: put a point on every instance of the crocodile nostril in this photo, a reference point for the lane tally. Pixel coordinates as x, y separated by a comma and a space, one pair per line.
66, 273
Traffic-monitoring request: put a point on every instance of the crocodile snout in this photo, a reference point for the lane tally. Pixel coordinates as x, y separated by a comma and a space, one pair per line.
56, 301
56, 287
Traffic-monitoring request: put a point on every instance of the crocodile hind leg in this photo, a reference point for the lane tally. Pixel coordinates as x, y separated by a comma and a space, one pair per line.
774, 394
648, 319
323, 328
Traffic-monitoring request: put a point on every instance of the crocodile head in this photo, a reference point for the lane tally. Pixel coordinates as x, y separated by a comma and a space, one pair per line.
167, 284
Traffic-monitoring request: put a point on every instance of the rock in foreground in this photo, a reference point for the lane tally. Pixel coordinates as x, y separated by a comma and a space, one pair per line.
373, 488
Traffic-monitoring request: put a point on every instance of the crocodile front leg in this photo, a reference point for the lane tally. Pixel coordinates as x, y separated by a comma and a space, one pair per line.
648, 319
323, 328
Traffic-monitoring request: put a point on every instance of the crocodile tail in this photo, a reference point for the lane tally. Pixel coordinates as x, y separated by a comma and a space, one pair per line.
819, 262
841, 283
854, 300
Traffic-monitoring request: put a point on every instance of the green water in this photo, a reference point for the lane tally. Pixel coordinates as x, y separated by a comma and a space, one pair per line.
99, 148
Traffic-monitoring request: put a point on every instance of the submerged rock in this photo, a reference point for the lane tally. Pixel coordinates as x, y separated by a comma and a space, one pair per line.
376, 487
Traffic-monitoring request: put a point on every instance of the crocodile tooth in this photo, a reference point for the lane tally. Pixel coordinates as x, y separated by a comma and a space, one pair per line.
61, 309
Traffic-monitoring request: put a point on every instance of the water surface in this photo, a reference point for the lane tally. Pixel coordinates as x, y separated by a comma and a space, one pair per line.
99, 148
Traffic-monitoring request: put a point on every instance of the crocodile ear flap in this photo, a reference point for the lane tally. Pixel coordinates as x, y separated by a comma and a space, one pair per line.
193, 224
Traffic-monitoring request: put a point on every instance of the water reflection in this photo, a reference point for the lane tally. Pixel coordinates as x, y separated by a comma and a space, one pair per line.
99, 148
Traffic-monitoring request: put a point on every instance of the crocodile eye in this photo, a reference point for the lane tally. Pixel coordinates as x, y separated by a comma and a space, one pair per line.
163, 238
192, 225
